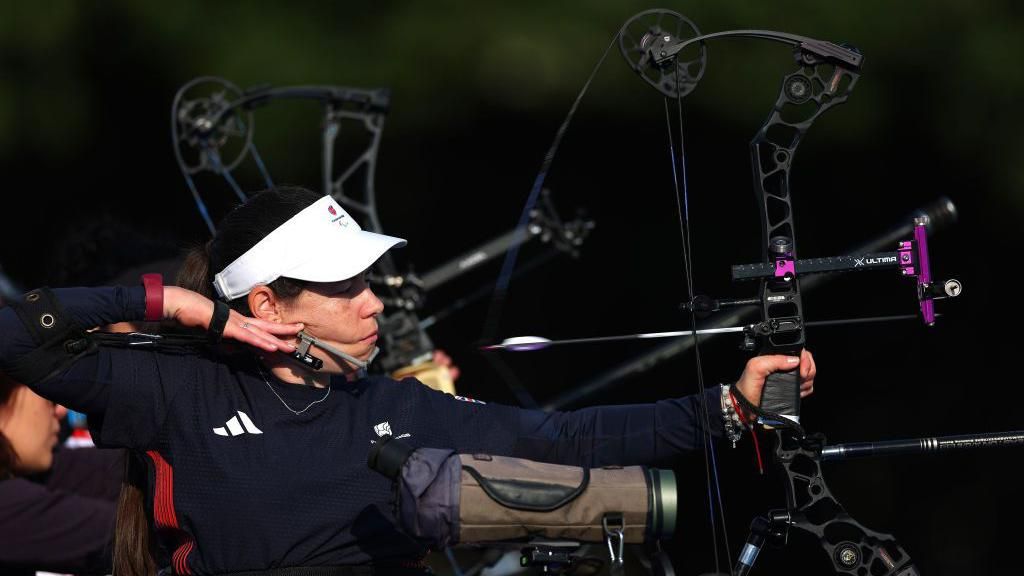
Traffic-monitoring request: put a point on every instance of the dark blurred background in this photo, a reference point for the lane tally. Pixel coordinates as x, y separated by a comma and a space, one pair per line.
91, 189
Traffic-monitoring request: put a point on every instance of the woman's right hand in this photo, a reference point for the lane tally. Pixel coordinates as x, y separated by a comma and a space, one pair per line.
193, 310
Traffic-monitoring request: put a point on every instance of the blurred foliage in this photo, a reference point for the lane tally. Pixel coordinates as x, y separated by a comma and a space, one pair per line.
479, 88
953, 62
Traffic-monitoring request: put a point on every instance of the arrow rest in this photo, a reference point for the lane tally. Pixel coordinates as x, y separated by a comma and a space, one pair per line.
704, 306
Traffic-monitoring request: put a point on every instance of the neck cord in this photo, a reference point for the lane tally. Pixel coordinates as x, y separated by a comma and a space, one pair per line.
285, 404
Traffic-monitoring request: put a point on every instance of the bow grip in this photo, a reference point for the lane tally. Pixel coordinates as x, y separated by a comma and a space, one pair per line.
781, 394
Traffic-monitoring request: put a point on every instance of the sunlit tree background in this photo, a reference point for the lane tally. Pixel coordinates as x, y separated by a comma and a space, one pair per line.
91, 189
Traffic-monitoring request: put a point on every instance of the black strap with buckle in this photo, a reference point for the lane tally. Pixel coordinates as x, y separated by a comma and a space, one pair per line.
59, 341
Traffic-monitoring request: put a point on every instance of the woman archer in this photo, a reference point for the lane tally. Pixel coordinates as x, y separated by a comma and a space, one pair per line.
255, 457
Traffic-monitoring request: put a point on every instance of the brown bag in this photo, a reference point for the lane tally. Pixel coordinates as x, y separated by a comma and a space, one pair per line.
511, 499
444, 498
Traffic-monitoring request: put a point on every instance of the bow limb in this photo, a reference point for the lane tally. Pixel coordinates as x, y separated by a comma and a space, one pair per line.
851, 547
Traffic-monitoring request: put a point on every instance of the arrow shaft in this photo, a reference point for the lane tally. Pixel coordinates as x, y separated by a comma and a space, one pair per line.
522, 347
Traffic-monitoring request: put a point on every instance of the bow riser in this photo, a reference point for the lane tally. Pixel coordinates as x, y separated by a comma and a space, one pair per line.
804, 95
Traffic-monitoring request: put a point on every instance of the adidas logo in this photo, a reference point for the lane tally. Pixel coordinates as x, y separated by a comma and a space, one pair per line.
239, 424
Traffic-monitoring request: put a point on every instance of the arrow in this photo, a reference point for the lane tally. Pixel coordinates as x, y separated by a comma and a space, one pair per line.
531, 343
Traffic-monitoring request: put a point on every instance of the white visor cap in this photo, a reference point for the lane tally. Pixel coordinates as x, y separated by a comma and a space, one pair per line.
322, 243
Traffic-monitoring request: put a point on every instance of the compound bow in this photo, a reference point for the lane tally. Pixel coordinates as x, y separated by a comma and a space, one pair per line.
654, 43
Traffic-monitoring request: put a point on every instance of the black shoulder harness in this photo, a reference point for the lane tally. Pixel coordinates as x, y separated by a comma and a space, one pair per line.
59, 342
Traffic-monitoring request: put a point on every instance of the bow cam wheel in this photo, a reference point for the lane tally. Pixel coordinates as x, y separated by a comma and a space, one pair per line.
651, 29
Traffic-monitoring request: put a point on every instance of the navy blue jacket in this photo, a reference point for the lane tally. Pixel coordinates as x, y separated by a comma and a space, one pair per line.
63, 522
239, 482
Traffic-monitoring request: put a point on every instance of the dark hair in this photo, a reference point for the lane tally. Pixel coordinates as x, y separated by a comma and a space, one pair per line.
7, 456
239, 231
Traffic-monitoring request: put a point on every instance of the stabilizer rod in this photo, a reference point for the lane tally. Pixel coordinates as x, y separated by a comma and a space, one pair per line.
918, 445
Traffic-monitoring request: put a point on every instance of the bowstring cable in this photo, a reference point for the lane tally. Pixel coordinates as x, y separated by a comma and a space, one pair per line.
494, 310
693, 320
505, 277
680, 192
696, 341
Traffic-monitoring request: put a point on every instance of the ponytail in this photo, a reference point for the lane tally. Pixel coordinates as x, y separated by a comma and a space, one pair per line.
132, 537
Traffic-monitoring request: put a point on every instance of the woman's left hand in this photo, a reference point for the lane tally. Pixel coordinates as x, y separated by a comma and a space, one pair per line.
194, 310
751, 382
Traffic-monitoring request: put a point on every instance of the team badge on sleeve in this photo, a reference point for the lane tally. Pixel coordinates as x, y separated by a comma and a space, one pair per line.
468, 399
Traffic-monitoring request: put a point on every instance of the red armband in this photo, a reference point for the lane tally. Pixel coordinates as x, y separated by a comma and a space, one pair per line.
154, 284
